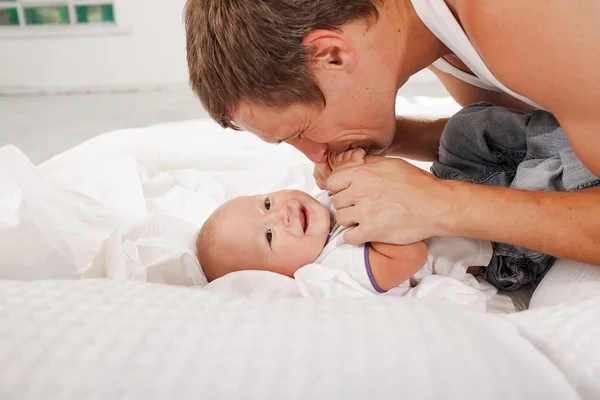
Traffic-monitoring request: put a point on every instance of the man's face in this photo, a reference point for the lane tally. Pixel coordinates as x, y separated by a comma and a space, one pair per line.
347, 121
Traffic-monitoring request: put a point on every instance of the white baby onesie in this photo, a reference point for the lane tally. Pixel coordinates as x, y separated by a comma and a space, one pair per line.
447, 256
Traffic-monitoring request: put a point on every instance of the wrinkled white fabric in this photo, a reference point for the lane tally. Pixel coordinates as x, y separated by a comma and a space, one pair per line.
48, 230
127, 205
155, 249
467, 291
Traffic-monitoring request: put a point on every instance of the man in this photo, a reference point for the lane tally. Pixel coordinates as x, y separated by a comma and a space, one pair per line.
323, 76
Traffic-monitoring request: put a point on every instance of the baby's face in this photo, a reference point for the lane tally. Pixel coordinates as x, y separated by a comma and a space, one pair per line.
279, 232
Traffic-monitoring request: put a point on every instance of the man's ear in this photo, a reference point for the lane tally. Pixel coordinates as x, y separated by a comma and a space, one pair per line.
331, 50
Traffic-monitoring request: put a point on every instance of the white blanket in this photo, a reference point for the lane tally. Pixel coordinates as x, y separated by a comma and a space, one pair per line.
127, 205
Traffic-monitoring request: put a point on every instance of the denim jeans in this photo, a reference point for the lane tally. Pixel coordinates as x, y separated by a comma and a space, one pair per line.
490, 145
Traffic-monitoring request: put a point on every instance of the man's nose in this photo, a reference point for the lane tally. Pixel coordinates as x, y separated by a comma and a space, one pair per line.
316, 152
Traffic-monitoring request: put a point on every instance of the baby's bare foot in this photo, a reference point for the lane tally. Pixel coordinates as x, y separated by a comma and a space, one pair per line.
346, 159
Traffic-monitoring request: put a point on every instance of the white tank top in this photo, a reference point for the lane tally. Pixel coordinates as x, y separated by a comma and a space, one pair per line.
436, 15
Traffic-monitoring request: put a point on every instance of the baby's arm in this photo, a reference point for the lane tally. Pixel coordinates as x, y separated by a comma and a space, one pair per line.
393, 264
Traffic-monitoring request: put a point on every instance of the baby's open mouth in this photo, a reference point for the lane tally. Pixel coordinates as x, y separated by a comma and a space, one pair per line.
303, 219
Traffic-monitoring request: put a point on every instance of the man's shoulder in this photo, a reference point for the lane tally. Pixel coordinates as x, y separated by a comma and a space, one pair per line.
520, 44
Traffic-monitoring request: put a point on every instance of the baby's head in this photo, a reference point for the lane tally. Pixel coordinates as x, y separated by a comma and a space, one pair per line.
279, 232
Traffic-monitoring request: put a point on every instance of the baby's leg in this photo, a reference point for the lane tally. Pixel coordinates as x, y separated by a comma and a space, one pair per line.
485, 144
512, 266
482, 144
551, 165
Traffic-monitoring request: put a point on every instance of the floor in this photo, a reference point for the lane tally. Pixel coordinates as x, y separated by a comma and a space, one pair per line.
42, 126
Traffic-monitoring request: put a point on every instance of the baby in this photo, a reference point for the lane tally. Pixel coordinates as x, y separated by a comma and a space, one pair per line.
283, 231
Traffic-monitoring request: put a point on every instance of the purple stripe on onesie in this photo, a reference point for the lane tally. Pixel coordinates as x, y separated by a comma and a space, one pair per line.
369, 272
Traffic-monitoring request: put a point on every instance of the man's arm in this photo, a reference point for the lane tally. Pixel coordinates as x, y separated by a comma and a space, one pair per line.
393, 264
392, 201
418, 138
565, 225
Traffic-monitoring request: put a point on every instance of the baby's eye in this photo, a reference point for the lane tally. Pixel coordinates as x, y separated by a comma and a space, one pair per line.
299, 137
269, 236
267, 204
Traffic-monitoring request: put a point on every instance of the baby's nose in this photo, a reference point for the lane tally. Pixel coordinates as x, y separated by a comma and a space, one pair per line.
285, 214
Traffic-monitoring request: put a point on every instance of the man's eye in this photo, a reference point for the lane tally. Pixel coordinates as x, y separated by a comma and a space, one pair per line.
269, 236
267, 204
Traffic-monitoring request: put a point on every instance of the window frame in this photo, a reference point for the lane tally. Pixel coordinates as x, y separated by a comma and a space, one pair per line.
73, 28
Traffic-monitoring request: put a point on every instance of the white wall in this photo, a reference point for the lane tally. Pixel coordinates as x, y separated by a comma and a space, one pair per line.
148, 50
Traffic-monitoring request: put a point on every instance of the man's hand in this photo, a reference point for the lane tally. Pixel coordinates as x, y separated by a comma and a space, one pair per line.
390, 200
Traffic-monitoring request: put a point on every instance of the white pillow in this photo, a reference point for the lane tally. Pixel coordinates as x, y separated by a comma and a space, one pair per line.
567, 281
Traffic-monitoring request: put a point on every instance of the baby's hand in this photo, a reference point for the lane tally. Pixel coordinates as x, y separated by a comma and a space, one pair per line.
346, 159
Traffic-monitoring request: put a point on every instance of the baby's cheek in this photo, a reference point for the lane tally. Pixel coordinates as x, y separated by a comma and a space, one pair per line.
310, 249
299, 252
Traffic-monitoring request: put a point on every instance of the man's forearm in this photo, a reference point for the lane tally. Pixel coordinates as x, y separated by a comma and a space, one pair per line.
565, 225
417, 138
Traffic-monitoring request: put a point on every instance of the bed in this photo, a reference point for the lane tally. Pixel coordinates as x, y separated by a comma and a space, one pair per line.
101, 295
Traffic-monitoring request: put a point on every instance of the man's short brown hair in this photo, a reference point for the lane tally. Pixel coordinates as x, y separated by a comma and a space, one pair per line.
251, 50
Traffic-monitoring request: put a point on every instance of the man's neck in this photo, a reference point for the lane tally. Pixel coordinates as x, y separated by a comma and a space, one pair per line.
417, 46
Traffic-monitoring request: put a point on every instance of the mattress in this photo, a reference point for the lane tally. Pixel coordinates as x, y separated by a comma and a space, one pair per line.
109, 339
